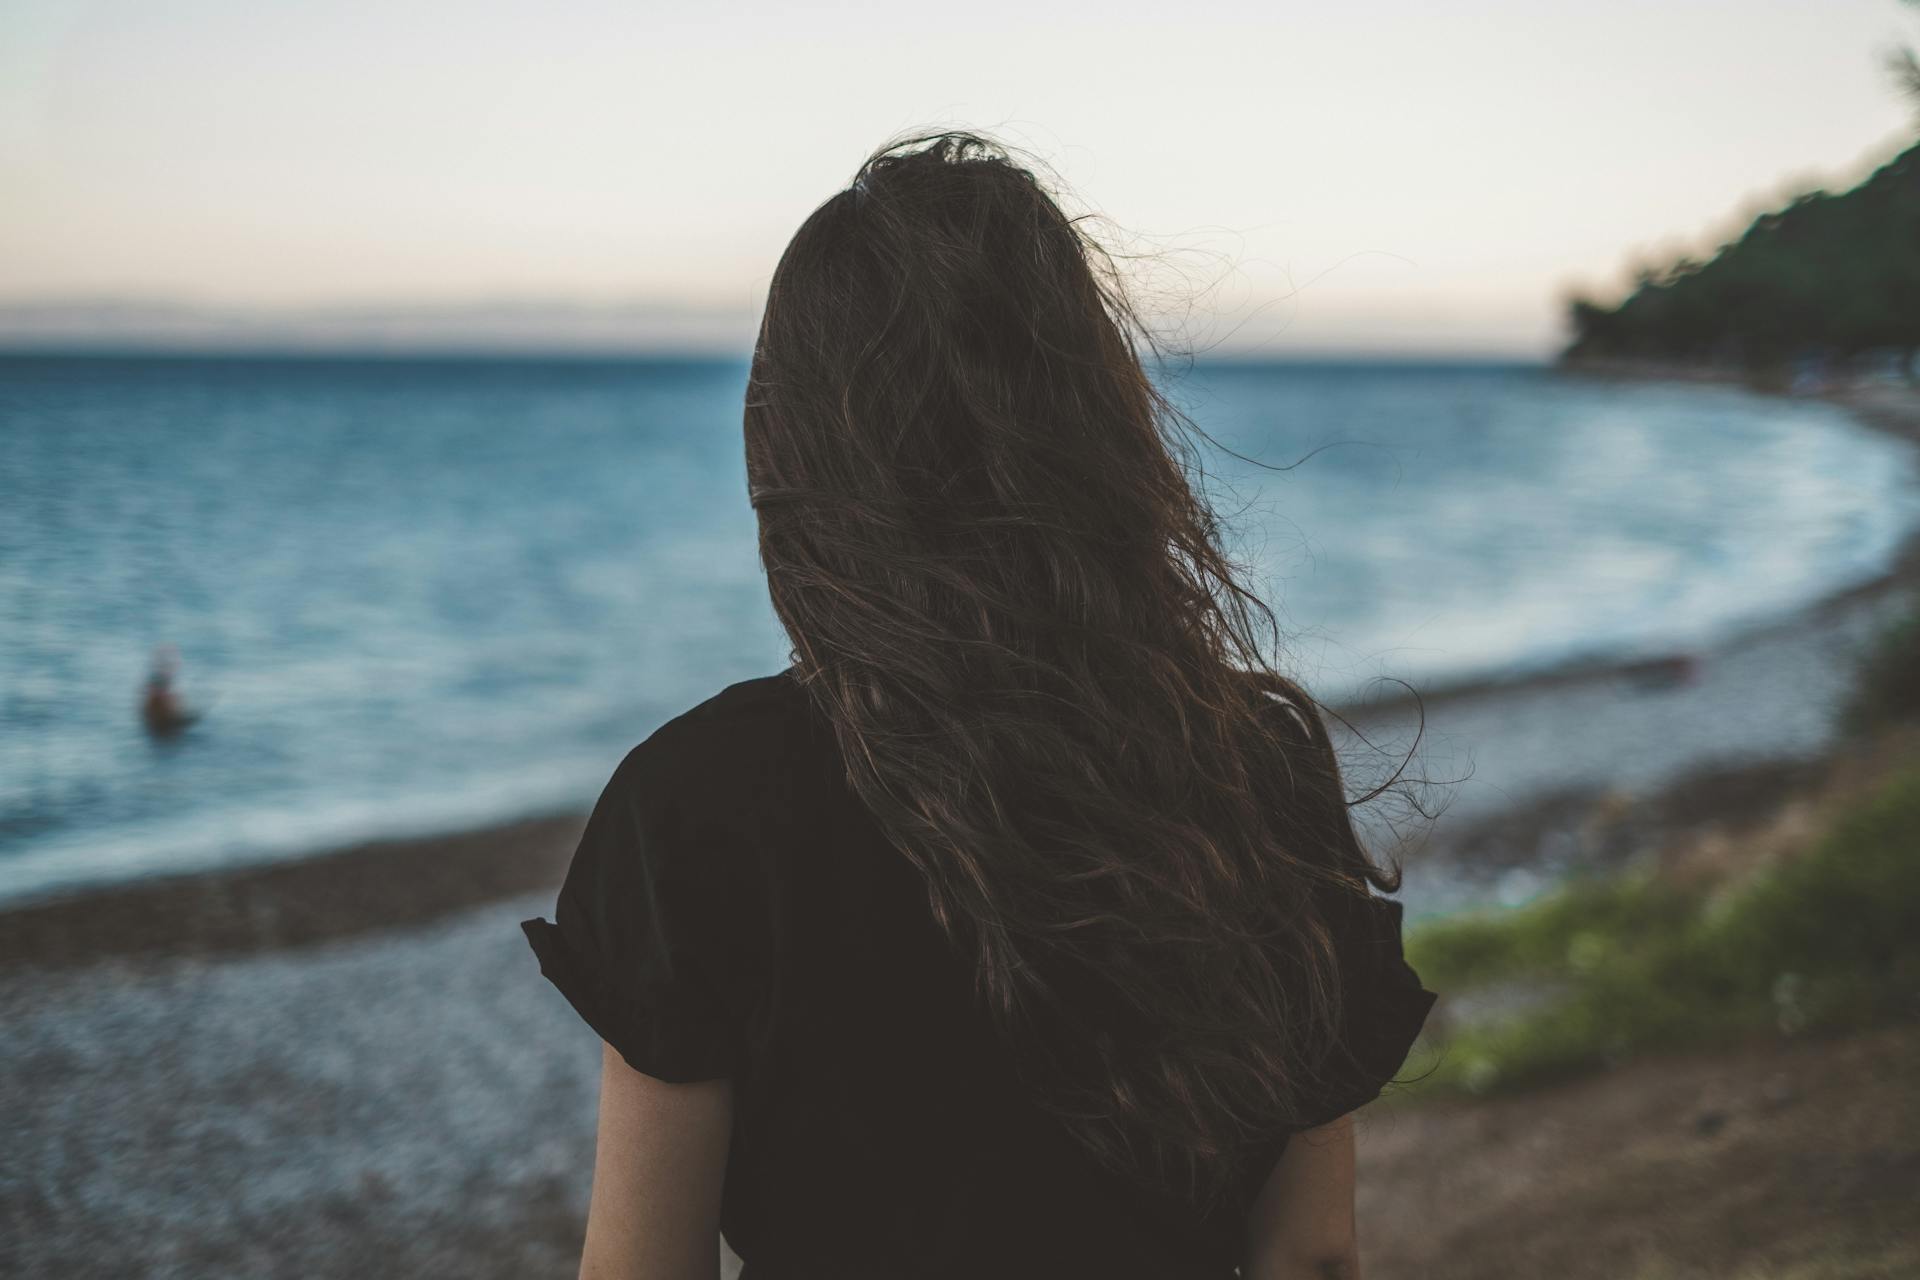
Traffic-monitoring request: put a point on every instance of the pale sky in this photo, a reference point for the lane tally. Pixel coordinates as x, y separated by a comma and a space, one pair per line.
1420, 176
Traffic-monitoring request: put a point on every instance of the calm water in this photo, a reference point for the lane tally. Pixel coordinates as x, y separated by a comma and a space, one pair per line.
420, 595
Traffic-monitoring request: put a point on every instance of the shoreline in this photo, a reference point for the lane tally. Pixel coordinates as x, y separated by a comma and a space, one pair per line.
1886, 408
392, 883
370, 887
1596, 764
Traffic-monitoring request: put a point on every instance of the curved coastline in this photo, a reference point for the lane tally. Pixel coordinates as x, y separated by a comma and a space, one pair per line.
373, 886
1888, 410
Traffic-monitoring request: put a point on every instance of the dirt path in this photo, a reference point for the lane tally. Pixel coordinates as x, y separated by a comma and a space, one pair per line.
1780, 1161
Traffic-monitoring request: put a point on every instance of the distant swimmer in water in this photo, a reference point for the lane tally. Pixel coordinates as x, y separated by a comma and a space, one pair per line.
161, 708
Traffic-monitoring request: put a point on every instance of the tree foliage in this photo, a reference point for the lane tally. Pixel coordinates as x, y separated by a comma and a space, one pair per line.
1826, 276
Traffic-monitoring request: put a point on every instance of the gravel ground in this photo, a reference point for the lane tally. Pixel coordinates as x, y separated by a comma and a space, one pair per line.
417, 1103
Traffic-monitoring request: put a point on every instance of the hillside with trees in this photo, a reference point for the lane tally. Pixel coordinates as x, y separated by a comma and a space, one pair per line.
1829, 279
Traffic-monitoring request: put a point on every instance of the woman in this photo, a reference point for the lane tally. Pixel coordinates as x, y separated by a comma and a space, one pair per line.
1018, 928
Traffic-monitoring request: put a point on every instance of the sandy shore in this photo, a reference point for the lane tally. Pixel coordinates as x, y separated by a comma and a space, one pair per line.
349, 1065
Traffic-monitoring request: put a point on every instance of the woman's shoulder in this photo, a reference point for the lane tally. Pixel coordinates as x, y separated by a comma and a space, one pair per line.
757, 694
658, 936
746, 731
744, 701
730, 717
696, 801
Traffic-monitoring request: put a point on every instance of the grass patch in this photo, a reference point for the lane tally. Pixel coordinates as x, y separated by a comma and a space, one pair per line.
1827, 941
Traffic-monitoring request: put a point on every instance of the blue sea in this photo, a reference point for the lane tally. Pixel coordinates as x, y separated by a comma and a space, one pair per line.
412, 596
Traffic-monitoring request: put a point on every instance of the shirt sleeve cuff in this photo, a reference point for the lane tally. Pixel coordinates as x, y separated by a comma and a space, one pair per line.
671, 1047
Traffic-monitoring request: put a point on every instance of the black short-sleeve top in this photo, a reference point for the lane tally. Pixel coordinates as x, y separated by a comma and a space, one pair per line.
732, 912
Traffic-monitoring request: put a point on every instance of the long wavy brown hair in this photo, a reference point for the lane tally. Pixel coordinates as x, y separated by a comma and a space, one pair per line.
1041, 667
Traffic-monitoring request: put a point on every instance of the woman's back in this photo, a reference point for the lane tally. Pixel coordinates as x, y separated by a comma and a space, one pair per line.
733, 912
